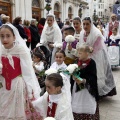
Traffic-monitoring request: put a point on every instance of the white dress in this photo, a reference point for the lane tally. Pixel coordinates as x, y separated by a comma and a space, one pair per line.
63, 66
63, 110
114, 52
13, 101
66, 79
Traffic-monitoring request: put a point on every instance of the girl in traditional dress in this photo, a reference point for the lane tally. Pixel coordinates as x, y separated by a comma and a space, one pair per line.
84, 101
54, 102
59, 61
51, 35
17, 76
69, 43
113, 48
91, 36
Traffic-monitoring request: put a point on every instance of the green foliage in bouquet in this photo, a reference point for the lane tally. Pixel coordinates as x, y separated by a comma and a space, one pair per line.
75, 73
41, 73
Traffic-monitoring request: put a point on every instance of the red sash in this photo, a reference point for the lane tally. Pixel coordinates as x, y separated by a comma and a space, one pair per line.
51, 111
8, 72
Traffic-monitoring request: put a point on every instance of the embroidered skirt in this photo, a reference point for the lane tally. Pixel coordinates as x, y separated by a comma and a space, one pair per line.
87, 116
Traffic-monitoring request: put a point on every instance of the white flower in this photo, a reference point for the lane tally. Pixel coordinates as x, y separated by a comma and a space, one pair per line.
1, 66
49, 118
71, 68
50, 71
59, 45
69, 38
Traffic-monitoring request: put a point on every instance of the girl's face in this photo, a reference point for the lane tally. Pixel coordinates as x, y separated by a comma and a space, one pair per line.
87, 25
50, 21
36, 59
7, 38
59, 58
77, 25
83, 55
51, 89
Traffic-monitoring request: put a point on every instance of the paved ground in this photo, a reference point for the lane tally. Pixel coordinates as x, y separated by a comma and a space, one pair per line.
110, 106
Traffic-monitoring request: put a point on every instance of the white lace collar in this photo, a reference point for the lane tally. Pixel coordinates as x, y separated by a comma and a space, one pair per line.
55, 98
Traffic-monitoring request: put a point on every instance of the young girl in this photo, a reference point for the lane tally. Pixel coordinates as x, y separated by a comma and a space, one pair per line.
17, 75
60, 65
113, 48
59, 61
84, 101
38, 66
38, 63
54, 102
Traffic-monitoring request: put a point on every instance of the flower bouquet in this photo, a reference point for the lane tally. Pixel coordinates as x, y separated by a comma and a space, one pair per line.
72, 69
69, 39
50, 71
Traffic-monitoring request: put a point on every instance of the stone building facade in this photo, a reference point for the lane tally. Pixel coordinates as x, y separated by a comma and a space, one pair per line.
29, 9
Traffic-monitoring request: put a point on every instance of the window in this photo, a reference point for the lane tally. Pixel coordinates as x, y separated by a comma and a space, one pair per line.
70, 12
36, 12
57, 10
35, 3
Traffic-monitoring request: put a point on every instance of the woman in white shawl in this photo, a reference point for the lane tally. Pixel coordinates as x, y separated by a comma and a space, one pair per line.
91, 36
51, 35
17, 77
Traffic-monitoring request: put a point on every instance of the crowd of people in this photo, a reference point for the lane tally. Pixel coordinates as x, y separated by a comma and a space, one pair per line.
34, 56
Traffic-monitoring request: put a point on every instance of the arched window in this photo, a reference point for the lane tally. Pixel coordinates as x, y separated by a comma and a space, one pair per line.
5, 8
36, 12
70, 13
35, 3
57, 10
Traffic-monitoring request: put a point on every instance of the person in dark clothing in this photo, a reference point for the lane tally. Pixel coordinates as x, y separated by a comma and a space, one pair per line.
60, 24
85, 92
19, 26
35, 37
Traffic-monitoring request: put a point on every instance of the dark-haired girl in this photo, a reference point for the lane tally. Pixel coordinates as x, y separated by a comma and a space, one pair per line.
59, 60
54, 102
17, 77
